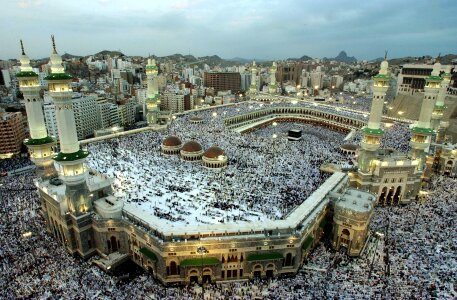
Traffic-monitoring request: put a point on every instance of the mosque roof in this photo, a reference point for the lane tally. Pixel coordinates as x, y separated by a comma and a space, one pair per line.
213, 152
349, 147
192, 146
171, 141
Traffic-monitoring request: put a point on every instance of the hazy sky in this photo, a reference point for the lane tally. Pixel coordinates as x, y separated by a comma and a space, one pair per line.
229, 28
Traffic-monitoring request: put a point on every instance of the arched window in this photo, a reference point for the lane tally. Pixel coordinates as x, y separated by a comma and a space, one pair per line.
288, 260
173, 268
114, 244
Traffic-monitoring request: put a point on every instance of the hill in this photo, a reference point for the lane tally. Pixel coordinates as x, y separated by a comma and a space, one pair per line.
343, 57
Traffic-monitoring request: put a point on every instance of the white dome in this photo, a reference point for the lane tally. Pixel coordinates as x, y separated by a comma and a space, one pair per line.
56, 63
384, 67
436, 69
25, 63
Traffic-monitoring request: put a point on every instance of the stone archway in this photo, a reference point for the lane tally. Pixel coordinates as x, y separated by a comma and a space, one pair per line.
114, 244
257, 271
270, 270
288, 260
345, 237
207, 274
382, 196
390, 195
193, 276
397, 196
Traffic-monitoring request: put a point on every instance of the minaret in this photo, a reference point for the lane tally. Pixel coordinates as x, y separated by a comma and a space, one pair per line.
153, 100
40, 144
438, 110
253, 87
372, 133
70, 158
273, 87
423, 131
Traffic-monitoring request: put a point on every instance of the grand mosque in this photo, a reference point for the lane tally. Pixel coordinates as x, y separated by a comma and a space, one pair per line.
93, 214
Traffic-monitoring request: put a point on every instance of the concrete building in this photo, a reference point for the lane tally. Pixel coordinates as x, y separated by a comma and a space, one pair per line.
5, 78
86, 113
245, 78
353, 210
87, 116
447, 163
412, 77
109, 114
50, 119
223, 81
12, 133
289, 72
317, 79
336, 81
173, 101
126, 110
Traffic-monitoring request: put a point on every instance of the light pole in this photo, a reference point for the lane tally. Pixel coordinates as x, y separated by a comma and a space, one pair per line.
202, 250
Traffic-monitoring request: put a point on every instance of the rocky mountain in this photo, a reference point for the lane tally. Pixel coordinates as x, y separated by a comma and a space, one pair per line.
70, 56
108, 52
304, 57
343, 57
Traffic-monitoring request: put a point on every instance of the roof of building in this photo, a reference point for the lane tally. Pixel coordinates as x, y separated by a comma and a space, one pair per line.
213, 152
196, 118
192, 146
171, 141
349, 147
356, 200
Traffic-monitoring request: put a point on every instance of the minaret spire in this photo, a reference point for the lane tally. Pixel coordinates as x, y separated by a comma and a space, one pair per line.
22, 48
40, 144
71, 158
272, 87
152, 101
373, 133
385, 54
422, 132
253, 88
54, 51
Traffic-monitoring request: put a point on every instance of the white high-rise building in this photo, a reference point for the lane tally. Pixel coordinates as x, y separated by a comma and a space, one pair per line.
173, 101
127, 112
86, 114
109, 115
317, 79
245, 81
336, 81
6, 78
50, 118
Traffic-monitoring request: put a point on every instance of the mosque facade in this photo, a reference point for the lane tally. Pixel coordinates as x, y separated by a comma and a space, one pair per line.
83, 214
